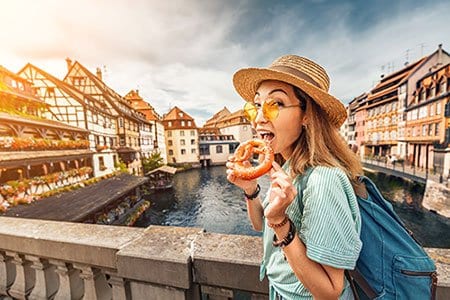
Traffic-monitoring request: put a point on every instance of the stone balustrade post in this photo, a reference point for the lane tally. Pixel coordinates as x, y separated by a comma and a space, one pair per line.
46, 279
95, 283
25, 276
7, 273
120, 288
70, 284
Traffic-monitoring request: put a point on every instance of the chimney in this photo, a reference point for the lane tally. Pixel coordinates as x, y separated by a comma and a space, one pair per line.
69, 63
439, 58
99, 73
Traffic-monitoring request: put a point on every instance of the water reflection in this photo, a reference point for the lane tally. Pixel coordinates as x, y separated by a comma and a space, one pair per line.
204, 198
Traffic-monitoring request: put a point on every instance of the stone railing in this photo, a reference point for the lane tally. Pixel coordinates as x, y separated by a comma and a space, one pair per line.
57, 260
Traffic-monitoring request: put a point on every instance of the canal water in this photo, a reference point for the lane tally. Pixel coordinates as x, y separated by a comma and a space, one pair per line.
204, 198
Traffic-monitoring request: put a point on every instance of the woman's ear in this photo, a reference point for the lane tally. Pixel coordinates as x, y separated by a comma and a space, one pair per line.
305, 121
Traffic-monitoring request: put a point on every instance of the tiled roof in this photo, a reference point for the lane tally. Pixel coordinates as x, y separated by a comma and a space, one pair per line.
139, 104
177, 114
110, 94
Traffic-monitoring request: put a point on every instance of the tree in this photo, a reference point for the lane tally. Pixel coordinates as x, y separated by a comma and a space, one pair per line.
154, 161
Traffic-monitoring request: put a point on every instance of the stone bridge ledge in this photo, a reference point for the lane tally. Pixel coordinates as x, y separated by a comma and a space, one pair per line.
46, 259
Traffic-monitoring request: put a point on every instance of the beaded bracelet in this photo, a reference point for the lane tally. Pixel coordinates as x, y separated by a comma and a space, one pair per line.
287, 239
254, 195
281, 224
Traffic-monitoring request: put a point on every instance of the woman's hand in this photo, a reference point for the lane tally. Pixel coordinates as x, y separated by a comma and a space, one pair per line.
249, 186
282, 193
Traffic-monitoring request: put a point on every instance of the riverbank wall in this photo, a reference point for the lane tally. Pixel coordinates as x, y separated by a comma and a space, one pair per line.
437, 198
48, 259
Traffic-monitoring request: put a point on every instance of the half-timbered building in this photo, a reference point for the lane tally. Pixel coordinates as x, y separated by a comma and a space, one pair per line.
36, 153
428, 122
156, 136
128, 120
73, 107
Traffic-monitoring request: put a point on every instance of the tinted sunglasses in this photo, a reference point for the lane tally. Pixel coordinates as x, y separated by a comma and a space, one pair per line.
270, 109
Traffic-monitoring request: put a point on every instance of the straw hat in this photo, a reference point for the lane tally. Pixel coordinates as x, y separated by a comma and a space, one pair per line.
300, 72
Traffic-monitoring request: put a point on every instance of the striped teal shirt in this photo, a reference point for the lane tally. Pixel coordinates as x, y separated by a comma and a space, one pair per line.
329, 228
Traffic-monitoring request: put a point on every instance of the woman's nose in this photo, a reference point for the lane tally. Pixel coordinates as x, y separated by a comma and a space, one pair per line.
260, 118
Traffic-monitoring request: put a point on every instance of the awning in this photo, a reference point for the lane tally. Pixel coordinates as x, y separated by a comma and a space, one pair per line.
166, 169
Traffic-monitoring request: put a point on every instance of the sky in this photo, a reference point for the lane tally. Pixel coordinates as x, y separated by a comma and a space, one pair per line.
184, 52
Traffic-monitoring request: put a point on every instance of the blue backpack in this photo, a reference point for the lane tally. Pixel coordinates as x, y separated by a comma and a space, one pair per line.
392, 264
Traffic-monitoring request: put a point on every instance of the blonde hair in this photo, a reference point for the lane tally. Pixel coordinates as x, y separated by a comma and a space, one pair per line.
321, 144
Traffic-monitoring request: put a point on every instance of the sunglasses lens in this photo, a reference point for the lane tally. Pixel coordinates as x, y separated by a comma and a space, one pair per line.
270, 110
250, 111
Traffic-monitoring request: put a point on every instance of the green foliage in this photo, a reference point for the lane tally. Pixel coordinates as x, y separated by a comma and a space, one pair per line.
121, 166
153, 162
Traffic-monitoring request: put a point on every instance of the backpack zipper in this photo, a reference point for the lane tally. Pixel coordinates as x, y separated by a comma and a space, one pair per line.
418, 273
433, 276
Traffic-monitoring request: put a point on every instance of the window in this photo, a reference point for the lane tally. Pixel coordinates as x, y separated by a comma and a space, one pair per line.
192, 142
169, 133
219, 149
192, 132
170, 142
182, 133
442, 87
424, 130
183, 151
120, 122
423, 112
101, 163
430, 129
170, 124
438, 108
193, 151
182, 143
436, 129
182, 123
189, 123
170, 152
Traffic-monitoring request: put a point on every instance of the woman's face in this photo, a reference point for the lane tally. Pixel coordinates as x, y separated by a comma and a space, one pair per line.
284, 130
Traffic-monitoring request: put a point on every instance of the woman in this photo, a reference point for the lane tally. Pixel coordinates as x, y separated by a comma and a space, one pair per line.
305, 250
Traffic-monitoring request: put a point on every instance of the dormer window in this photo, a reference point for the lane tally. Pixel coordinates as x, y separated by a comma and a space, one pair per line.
180, 114
183, 123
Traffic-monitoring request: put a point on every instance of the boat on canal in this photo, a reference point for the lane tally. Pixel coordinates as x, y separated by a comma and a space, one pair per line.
161, 178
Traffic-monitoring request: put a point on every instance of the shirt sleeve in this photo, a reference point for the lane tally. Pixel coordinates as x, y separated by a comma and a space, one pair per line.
330, 219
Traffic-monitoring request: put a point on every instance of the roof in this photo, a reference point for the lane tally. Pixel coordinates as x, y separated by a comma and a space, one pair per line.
113, 97
15, 92
393, 81
177, 114
139, 104
165, 169
76, 94
217, 116
78, 205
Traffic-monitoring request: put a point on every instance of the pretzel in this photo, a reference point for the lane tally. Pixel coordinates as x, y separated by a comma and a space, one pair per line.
244, 152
